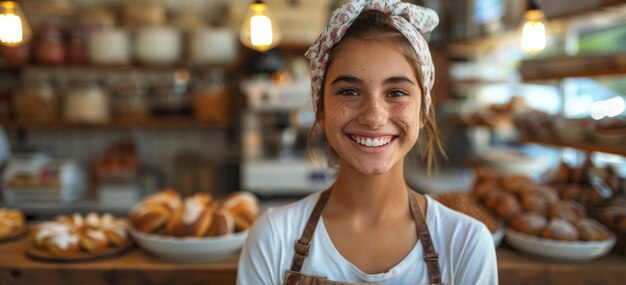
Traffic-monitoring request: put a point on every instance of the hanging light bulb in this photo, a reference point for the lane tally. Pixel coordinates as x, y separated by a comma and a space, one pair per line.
14, 29
259, 30
534, 29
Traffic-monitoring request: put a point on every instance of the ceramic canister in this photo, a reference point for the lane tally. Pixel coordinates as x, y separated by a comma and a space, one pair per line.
158, 45
213, 46
110, 46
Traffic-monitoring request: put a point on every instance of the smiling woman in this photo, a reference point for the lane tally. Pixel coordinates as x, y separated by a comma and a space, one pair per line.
371, 79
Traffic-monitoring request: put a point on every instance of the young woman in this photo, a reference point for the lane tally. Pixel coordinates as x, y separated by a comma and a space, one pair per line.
371, 79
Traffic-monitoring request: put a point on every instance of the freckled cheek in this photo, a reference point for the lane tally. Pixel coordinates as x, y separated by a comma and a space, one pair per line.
337, 115
407, 116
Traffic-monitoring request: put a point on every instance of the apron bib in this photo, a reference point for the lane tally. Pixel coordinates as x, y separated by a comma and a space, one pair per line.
295, 277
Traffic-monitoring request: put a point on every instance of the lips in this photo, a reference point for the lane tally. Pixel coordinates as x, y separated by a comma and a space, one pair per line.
377, 141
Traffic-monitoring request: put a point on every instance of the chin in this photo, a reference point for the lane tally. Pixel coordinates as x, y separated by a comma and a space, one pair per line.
377, 170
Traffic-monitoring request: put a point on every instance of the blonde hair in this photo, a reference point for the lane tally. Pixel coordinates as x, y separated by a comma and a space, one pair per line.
378, 26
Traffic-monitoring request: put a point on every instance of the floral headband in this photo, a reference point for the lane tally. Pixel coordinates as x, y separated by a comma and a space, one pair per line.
411, 20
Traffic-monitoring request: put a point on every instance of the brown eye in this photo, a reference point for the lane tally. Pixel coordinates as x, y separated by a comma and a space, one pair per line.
347, 92
397, 93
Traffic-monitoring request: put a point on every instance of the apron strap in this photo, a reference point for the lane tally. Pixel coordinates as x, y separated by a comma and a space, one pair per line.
430, 255
303, 244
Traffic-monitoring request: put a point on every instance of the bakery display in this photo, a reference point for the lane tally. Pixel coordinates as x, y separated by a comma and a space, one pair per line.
541, 221
167, 213
68, 236
11, 223
198, 228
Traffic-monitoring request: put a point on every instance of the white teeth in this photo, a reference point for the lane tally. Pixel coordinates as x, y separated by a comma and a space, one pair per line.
371, 142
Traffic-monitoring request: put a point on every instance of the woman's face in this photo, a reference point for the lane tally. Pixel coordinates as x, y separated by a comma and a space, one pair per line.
372, 104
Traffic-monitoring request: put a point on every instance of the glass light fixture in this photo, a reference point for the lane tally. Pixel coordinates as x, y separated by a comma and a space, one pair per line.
259, 30
14, 29
534, 29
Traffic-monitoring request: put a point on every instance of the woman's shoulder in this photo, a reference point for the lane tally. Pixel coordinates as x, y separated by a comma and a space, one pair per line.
289, 219
300, 207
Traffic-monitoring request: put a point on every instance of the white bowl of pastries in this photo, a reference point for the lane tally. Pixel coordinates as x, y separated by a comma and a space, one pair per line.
193, 229
77, 236
568, 236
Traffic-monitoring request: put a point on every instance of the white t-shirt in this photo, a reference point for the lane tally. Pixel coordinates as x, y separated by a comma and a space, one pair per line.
465, 247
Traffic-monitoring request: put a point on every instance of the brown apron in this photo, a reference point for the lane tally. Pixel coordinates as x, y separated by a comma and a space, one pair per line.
295, 277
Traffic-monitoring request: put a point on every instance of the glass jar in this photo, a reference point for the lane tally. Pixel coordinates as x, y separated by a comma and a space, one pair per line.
211, 98
50, 48
130, 102
36, 100
170, 94
77, 47
85, 101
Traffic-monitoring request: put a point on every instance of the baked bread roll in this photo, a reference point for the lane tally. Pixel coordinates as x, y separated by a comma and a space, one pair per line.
193, 218
244, 207
529, 223
58, 238
537, 199
591, 230
560, 229
64, 244
570, 192
153, 213
481, 191
167, 197
45, 231
114, 229
11, 221
223, 223
570, 211
515, 184
503, 204
612, 215
92, 239
485, 176
75, 220
67, 235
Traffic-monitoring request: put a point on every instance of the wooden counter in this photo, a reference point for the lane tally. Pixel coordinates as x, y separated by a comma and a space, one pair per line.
138, 267
133, 267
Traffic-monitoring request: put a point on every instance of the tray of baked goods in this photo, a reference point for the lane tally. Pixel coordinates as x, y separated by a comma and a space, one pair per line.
72, 238
198, 228
546, 219
12, 225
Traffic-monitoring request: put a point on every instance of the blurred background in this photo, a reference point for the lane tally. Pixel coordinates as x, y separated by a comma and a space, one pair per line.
105, 102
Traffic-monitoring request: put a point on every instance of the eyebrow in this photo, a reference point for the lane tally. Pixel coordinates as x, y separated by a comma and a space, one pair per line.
354, 79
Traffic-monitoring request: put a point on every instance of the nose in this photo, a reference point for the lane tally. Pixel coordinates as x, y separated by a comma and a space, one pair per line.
373, 112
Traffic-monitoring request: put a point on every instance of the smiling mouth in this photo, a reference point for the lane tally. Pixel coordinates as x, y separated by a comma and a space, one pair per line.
371, 141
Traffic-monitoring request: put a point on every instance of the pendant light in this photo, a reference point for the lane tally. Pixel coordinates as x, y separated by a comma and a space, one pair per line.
14, 29
259, 30
534, 29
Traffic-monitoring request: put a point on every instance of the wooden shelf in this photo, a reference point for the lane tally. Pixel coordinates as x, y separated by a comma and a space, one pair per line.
586, 146
161, 123
125, 68
573, 66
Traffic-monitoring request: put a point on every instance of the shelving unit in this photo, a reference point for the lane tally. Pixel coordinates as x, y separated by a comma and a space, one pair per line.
585, 146
562, 67
162, 140
573, 66
161, 123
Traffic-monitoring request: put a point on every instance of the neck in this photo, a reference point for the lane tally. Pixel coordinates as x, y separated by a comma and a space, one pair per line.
370, 198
